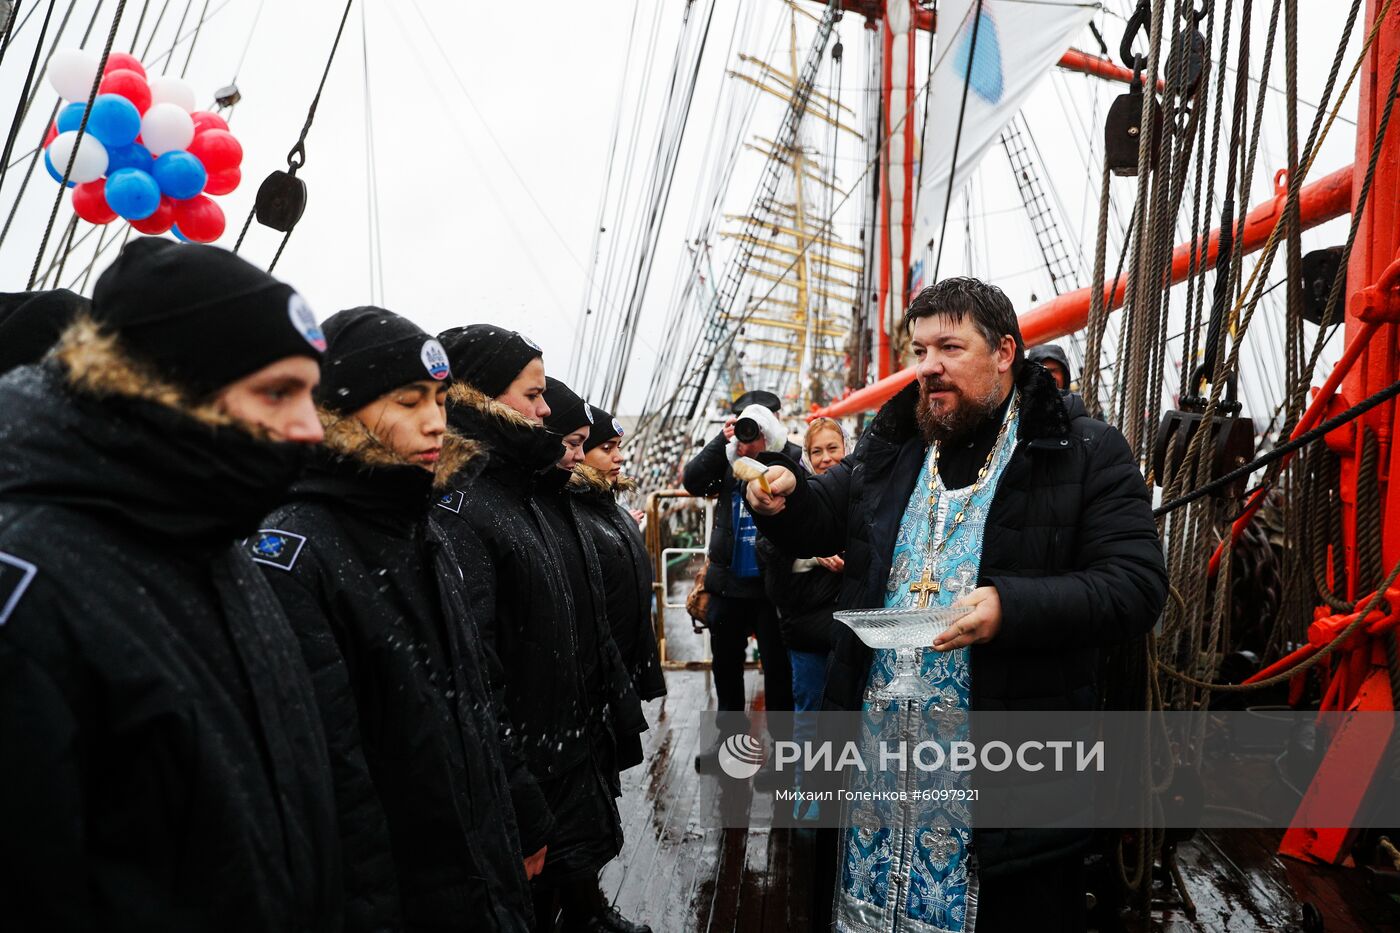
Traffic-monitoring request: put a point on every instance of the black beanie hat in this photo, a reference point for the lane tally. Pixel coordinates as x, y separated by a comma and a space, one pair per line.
31, 322
372, 351
201, 315
567, 412
605, 428
486, 357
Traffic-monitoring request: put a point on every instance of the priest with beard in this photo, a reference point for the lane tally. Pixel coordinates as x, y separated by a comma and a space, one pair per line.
978, 485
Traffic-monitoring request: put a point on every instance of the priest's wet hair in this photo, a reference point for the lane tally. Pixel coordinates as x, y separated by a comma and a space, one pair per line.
964, 296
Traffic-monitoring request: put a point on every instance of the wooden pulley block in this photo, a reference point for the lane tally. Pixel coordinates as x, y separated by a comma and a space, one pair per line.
1122, 131
281, 201
1319, 269
1231, 442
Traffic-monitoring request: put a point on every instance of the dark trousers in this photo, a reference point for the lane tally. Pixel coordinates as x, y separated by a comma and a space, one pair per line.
1049, 898
731, 620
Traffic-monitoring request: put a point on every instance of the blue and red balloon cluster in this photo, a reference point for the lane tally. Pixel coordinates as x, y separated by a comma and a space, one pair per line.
147, 155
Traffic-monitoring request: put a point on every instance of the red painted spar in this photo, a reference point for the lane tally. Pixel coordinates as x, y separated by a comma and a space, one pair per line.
1319, 202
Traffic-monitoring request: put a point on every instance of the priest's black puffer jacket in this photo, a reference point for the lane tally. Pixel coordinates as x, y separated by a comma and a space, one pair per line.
379, 607
162, 766
1070, 544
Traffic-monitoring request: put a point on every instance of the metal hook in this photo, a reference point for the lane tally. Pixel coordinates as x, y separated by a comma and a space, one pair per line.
1136, 24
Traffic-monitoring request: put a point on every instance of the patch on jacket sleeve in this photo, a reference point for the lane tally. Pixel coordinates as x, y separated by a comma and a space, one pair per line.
452, 501
276, 548
15, 577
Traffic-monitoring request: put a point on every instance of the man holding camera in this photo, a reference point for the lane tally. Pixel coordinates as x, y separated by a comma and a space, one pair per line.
733, 579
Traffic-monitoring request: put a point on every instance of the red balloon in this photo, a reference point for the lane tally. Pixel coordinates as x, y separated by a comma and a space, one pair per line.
218, 150
121, 61
207, 120
130, 85
223, 182
160, 221
50, 136
200, 219
90, 203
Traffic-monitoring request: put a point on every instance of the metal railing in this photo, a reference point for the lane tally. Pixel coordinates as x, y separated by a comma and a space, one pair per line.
661, 563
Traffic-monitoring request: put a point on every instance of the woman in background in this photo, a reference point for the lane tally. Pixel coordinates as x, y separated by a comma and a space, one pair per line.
804, 593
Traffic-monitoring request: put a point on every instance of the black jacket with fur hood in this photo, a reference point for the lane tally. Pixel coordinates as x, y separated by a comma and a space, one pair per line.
1070, 545
513, 564
626, 575
376, 600
162, 766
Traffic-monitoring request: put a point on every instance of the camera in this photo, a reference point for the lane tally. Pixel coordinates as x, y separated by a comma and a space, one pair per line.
747, 430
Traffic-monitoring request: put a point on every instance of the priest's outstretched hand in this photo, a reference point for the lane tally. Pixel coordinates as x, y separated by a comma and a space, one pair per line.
978, 626
780, 482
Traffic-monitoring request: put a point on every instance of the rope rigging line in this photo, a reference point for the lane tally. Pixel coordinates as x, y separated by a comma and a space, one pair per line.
165, 66
688, 314
10, 30
82, 132
713, 340
37, 152
594, 249
957, 136
21, 107
296, 157
194, 40
375, 263
248, 43
661, 194
103, 244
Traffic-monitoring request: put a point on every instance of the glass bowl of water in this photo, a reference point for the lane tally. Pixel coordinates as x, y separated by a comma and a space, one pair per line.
900, 628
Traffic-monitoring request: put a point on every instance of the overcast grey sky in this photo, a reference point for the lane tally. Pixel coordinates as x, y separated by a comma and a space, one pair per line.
491, 124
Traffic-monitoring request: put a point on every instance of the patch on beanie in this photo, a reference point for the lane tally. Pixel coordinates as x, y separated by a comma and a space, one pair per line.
588, 412
617, 426
435, 360
529, 343
305, 322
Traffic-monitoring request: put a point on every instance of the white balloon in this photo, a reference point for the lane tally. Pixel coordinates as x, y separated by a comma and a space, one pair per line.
91, 163
71, 72
166, 127
169, 90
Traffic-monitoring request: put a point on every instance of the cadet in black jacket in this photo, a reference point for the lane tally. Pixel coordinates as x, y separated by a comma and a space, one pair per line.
377, 602
31, 323
615, 714
622, 552
516, 579
161, 763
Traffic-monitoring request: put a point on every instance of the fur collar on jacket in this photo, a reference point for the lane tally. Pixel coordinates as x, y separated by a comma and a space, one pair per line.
348, 438
510, 441
587, 480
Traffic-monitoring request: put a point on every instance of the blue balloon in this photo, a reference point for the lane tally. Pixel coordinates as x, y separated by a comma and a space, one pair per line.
70, 117
55, 173
175, 229
133, 156
132, 193
115, 120
180, 175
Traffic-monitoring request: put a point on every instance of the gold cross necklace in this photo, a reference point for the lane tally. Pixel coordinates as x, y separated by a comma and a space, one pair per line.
926, 586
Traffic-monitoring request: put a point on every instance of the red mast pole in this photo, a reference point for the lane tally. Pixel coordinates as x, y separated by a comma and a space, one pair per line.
1360, 679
